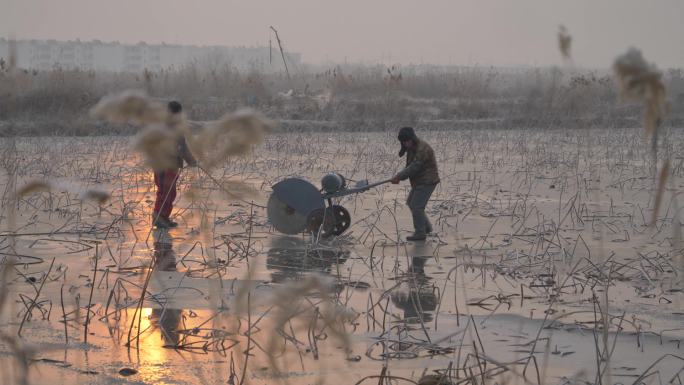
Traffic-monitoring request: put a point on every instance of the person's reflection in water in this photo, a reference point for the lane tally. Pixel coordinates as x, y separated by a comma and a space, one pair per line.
420, 299
289, 258
166, 318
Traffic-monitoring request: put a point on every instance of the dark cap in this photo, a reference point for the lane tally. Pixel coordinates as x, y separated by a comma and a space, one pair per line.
406, 133
175, 107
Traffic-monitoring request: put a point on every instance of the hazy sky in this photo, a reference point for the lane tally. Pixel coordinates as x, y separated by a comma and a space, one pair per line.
485, 32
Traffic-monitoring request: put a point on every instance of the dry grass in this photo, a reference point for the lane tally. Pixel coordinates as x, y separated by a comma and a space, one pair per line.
642, 81
348, 97
564, 42
130, 106
158, 144
234, 134
46, 185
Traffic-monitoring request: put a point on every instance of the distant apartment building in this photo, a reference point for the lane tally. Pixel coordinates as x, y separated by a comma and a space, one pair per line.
95, 55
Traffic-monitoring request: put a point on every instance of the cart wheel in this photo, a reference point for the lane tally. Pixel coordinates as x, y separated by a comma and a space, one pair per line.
323, 219
342, 219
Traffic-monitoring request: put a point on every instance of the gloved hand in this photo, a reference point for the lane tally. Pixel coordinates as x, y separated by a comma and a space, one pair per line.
395, 179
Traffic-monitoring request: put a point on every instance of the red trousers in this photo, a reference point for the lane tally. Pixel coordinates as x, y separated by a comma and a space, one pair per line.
166, 191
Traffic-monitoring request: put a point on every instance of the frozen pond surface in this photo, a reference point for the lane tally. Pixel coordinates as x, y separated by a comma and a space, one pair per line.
534, 233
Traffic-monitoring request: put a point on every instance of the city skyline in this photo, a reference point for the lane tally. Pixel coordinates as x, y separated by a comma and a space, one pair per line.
466, 32
38, 54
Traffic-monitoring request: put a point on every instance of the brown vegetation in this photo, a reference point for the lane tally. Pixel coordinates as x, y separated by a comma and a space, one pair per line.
351, 97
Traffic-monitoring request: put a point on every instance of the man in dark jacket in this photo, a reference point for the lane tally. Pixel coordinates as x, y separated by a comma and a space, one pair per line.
421, 171
165, 180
